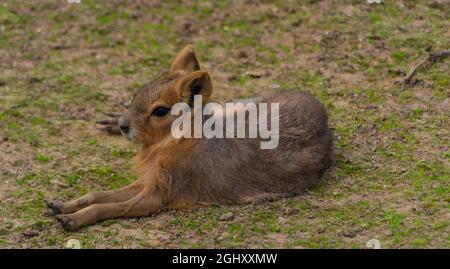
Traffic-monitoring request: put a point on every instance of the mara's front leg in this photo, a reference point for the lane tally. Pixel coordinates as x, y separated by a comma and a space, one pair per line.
102, 197
143, 204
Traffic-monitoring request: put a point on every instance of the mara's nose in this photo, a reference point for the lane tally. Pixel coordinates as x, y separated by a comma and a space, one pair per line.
124, 126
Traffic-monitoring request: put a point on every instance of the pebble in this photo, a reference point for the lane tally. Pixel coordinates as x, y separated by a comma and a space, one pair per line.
227, 216
290, 211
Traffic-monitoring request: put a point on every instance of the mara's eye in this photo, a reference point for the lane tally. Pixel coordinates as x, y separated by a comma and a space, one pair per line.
160, 111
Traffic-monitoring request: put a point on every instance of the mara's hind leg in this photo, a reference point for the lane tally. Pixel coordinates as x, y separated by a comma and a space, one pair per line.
143, 204
113, 196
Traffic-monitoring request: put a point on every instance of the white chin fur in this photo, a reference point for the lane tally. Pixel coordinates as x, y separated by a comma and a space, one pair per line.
131, 136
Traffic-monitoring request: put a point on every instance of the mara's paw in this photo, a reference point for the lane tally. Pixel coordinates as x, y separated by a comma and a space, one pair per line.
55, 206
66, 222
111, 125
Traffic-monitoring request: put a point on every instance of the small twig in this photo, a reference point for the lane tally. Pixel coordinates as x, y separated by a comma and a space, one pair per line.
207, 204
429, 59
112, 114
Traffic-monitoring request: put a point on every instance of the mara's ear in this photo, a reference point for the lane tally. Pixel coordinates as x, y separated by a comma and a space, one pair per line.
185, 60
195, 83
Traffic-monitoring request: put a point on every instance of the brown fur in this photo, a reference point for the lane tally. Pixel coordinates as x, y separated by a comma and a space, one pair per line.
178, 173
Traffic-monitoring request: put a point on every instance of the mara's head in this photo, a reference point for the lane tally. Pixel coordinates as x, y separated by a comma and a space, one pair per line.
148, 119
